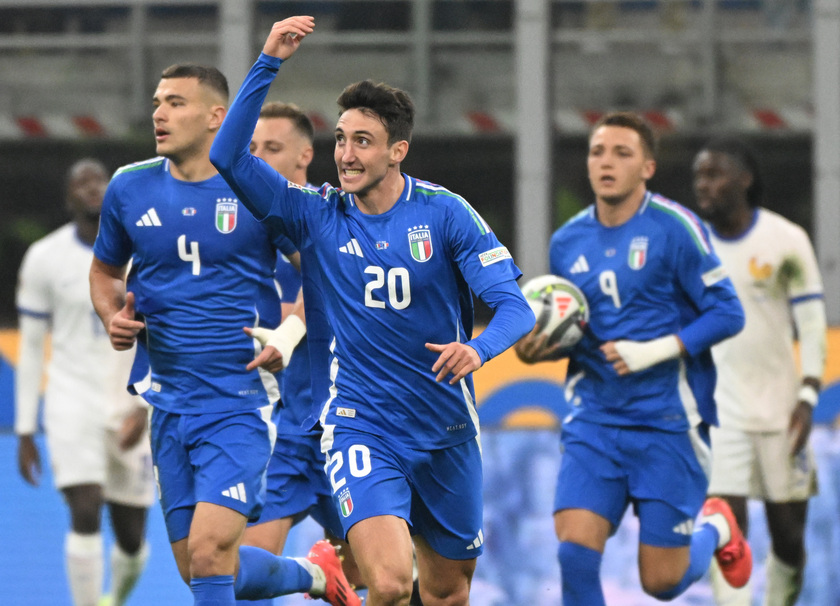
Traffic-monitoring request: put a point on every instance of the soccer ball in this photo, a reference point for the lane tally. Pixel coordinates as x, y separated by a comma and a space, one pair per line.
560, 308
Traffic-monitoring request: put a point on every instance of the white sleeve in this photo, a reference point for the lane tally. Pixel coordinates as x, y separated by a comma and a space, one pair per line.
811, 326
808, 282
29, 373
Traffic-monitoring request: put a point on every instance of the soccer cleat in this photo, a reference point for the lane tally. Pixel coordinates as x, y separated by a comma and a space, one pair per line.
734, 558
338, 592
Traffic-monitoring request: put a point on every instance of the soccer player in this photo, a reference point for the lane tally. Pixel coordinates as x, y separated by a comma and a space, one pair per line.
95, 430
640, 381
761, 449
200, 264
297, 484
397, 258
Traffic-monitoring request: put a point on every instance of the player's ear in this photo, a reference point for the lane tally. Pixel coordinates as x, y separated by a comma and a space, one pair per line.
648, 169
305, 158
217, 115
399, 150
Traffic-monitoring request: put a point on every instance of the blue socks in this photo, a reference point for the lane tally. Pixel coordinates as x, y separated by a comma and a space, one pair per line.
213, 591
703, 545
580, 574
263, 575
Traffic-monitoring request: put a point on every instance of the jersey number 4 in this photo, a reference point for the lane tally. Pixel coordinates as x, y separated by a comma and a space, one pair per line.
191, 255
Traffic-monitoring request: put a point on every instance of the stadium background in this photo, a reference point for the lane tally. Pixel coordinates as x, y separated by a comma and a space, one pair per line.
76, 79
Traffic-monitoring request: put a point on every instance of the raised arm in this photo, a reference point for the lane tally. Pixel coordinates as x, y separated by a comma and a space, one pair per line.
252, 179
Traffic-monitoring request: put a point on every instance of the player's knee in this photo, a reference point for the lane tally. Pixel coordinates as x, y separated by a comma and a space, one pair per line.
393, 590
659, 583
456, 597
86, 518
208, 558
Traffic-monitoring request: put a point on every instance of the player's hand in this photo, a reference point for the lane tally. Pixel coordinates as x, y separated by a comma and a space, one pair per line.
123, 328
613, 357
132, 428
634, 356
285, 36
458, 359
800, 425
270, 358
29, 461
533, 348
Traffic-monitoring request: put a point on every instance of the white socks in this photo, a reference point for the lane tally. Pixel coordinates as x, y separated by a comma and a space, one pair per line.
125, 570
724, 593
319, 579
85, 567
784, 582
718, 521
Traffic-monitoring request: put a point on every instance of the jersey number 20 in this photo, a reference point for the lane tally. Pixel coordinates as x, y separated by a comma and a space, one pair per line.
399, 298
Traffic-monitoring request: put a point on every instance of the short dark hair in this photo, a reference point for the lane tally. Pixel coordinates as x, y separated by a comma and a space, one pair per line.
78, 165
206, 75
739, 151
634, 122
291, 112
391, 105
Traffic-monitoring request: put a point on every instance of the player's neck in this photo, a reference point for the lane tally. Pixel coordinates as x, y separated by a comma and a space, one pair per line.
735, 224
615, 213
381, 197
193, 168
86, 230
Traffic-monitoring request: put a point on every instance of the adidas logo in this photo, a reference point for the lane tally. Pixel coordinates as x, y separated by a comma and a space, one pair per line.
478, 542
236, 492
684, 528
579, 266
352, 248
149, 218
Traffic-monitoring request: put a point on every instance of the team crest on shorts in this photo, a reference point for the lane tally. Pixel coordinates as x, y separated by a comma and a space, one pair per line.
226, 211
345, 502
420, 241
637, 256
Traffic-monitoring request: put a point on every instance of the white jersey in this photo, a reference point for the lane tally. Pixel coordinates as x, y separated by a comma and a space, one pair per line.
772, 266
84, 371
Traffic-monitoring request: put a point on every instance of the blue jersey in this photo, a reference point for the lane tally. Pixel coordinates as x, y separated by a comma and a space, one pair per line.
652, 276
391, 282
200, 263
295, 389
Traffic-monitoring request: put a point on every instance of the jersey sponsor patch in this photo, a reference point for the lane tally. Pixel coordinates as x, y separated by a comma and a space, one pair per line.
494, 255
420, 241
226, 212
713, 276
637, 256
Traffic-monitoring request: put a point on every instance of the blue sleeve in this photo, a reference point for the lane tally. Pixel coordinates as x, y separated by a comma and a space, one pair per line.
288, 278
254, 181
283, 244
512, 319
716, 312
113, 245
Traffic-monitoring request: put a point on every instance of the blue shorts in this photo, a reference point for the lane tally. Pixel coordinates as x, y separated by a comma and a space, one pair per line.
663, 475
297, 485
217, 458
437, 492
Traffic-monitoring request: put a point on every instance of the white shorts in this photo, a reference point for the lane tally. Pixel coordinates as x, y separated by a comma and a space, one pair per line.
758, 465
89, 453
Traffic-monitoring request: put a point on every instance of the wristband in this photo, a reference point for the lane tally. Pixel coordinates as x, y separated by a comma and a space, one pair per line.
641, 355
284, 338
808, 393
